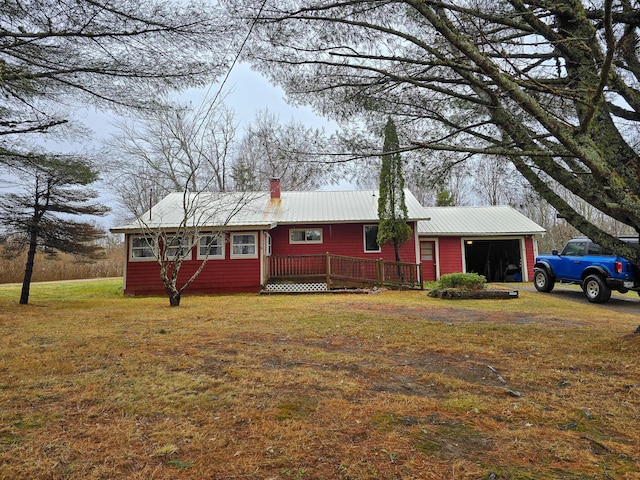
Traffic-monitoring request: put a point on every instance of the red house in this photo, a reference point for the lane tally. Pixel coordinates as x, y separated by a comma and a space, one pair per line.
255, 241
249, 238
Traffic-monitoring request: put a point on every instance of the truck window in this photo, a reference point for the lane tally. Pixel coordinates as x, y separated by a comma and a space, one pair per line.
574, 249
595, 249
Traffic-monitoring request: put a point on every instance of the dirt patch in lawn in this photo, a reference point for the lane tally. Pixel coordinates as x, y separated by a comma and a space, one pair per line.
459, 315
374, 370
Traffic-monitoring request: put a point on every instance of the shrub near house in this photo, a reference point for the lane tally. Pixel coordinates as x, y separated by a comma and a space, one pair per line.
468, 286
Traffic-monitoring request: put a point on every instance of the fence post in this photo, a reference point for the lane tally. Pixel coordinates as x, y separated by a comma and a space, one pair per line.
420, 276
380, 271
328, 270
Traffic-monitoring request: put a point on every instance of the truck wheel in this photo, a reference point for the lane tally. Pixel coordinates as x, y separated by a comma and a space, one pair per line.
595, 289
543, 280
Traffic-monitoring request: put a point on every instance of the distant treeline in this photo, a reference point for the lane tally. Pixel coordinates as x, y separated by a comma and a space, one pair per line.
64, 266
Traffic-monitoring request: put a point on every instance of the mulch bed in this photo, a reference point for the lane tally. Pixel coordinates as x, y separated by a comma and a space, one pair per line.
457, 294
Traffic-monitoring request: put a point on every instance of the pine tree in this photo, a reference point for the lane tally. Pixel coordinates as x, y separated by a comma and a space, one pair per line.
392, 209
444, 198
54, 189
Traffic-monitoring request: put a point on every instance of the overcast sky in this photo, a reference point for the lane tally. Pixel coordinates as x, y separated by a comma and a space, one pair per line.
249, 93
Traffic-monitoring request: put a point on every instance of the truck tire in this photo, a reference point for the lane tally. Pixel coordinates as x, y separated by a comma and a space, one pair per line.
596, 289
542, 280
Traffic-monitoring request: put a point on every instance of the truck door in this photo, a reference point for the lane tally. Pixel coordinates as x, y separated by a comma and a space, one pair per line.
570, 266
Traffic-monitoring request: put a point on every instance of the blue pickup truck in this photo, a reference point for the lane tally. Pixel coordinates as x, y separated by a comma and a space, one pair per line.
586, 263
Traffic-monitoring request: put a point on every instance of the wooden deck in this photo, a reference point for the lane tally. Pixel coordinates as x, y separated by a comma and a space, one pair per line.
339, 272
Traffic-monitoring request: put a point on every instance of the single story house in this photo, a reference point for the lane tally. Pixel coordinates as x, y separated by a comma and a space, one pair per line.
249, 239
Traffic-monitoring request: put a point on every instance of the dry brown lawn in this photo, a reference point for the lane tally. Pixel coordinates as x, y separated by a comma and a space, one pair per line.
388, 386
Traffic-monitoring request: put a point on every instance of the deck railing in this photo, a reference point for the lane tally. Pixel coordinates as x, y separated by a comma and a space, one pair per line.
297, 266
339, 271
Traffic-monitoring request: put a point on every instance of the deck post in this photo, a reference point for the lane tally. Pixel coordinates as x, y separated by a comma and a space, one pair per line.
380, 272
328, 270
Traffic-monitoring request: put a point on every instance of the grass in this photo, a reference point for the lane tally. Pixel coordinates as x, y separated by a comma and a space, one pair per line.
396, 385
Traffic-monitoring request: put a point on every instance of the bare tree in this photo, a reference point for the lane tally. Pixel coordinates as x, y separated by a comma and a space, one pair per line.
171, 149
194, 220
171, 175
552, 86
496, 181
291, 152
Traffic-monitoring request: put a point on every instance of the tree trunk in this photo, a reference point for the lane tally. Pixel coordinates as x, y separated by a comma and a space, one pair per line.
396, 249
169, 281
174, 299
28, 268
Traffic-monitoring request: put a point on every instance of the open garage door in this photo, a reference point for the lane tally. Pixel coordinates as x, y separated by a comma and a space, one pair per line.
498, 260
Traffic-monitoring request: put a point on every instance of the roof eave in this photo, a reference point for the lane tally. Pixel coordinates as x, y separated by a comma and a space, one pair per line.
169, 228
481, 234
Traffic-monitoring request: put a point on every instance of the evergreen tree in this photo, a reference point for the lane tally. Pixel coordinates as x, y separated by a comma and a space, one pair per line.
115, 53
444, 198
53, 188
392, 209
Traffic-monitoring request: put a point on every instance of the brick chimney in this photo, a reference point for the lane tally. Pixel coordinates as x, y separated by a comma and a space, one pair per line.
275, 188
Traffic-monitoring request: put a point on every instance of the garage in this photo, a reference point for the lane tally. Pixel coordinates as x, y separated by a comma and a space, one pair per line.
499, 260
496, 241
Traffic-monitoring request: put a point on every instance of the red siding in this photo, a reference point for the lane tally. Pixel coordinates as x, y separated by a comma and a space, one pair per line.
339, 239
243, 275
450, 255
230, 275
530, 254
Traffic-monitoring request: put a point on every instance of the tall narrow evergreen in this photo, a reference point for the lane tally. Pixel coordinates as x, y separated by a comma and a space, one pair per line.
392, 209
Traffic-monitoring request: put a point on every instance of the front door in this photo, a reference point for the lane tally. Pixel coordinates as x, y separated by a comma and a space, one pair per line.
427, 257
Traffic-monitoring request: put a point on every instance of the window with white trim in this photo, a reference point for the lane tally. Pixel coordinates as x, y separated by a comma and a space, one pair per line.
371, 239
211, 246
301, 235
177, 246
426, 251
244, 245
267, 244
142, 248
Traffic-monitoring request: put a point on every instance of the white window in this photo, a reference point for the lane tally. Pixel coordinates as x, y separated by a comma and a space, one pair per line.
211, 246
371, 239
244, 245
267, 244
300, 235
177, 246
426, 251
142, 248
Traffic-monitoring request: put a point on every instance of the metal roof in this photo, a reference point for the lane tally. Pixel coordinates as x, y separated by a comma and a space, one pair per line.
235, 210
258, 210
207, 209
335, 207
480, 221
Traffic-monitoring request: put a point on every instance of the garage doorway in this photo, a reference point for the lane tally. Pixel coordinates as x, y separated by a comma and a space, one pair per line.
498, 260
